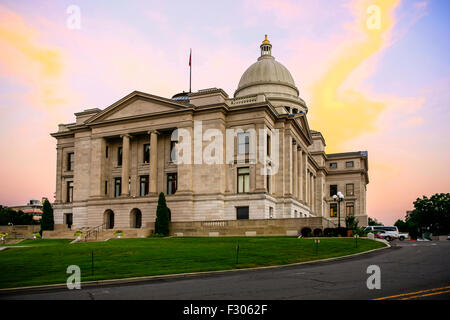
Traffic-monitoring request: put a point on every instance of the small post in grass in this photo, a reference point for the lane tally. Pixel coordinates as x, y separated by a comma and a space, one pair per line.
356, 240
317, 241
237, 253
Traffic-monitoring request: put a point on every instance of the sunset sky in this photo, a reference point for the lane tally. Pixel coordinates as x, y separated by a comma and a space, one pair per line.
382, 90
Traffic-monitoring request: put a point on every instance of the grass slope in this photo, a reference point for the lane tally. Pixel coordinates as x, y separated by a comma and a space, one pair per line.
47, 260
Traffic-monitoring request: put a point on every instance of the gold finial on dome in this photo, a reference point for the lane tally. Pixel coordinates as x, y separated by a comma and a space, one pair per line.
266, 40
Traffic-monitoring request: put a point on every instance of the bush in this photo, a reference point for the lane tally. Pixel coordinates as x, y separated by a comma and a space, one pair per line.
162, 216
118, 233
35, 235
351, 222
47, 222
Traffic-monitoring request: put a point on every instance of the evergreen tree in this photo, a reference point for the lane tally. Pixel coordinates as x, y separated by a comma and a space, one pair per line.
47, 222
162, 216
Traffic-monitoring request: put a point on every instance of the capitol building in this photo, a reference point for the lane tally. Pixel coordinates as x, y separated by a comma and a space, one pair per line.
275, 175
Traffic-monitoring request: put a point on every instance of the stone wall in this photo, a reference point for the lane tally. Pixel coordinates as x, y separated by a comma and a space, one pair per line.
20, 231
257, 227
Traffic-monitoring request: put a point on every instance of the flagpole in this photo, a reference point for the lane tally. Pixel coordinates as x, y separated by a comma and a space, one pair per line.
190, 71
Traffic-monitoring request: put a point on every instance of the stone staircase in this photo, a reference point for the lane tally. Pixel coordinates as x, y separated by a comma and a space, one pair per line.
98, 233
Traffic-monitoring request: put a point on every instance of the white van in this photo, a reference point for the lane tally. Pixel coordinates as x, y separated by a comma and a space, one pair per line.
388, 232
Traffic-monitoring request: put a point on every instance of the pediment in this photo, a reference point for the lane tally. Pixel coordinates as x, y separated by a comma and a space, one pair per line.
302, 122
137, 104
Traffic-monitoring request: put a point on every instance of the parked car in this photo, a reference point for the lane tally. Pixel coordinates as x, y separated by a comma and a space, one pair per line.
387, 232
403, 236
448, 237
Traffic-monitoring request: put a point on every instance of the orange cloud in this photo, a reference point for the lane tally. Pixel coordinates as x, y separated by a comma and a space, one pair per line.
24, 55
339, 112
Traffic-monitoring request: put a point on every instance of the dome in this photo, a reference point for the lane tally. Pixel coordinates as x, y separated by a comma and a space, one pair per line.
267, 76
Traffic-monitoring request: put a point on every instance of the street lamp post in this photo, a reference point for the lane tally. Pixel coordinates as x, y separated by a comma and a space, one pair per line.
338, 198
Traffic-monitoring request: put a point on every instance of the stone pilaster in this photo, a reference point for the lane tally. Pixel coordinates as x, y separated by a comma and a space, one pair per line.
98, 146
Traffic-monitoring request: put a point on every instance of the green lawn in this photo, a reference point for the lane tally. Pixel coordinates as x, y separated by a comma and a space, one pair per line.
47, 260
38, 243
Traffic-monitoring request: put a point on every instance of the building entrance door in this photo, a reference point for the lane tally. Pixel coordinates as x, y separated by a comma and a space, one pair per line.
69, 220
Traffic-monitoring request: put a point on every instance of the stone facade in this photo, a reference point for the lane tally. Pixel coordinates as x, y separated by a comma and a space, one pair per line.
106, 175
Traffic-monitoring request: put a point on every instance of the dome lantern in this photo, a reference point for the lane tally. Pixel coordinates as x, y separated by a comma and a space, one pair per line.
266, 47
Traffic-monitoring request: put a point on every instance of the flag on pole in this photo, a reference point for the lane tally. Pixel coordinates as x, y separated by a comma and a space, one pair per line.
190, 58
190, 71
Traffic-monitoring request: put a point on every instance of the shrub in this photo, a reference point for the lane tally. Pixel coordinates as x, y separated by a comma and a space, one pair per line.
162, 216
35, 235
47, 222
78, 233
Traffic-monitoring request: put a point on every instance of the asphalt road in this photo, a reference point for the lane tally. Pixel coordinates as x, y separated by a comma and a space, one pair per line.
409, 270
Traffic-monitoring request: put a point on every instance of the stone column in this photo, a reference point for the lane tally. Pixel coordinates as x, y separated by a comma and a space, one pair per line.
288, 164
313, 201
305, 177
125, 164
295, 170
311, 188
299, 174
153, 160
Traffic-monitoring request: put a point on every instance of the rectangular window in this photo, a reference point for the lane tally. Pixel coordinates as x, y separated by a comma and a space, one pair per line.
107, 152
242, 213
173, 151
268, 145
349, 189
70, 161
333, 209
143, 182
333, 189
350, 209
243, 180
146, 153
117, 187
106, 188
119, 156
243, 143
349, 164
69, 191
171, 183
333, 165
268, 183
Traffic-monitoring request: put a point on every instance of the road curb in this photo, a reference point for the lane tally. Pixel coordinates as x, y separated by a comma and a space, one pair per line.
176, 276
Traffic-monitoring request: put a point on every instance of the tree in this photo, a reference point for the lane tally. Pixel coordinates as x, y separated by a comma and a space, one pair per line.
351, 223
432, 214
162, 216
401, 225
47, 222
8, 215
374, 222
